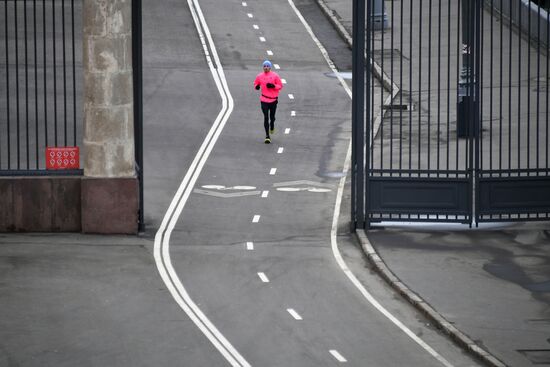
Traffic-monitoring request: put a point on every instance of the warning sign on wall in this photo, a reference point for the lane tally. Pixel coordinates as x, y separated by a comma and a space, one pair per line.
62, 158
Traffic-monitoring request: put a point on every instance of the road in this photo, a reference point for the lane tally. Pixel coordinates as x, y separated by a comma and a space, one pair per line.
251, 239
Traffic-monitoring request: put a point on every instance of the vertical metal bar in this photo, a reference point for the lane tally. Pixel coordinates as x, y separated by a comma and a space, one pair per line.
501, 77
401, 89
26, 83
439, 86
64, 73
448, 147
478, 79
35, 87
410, 84
371, 47
538, 87
138, 100
459, 52
420, 86
382, 90
519, 87
547, 90
54, 63
529, 87
477, 29
6, 30
491, 91
391, 78
510, 95
428, 152
74, 72
45, 75
17, 86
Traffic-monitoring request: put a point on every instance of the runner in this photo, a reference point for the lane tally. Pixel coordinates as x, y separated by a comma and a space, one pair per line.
270, 84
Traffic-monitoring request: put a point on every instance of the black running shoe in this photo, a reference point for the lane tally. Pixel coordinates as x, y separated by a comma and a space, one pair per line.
267, 140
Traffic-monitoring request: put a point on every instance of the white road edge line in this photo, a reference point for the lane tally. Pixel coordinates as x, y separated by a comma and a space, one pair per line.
273, 171
255, 26
280, 150
338, 356
250, 246
287, 130
162, 237
256, 219
333, 232
269, 52
265, 193
250, 15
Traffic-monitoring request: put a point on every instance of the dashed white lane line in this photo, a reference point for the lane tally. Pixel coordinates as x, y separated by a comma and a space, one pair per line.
291, 96
283, 81
292, 113
262, 39
255, 26
272, 171
265, 193
294, 314
244, 3
280, 150
250, 246
338, 356
263, 277
256, 219
269, 52
287, 131
276, 66
250, 15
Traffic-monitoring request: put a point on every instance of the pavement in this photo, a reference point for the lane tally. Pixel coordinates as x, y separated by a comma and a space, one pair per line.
487, 287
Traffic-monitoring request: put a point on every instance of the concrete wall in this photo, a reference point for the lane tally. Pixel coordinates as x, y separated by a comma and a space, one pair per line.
518, 12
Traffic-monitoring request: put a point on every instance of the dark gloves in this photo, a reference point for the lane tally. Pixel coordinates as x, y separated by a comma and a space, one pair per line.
258, 87
270, 85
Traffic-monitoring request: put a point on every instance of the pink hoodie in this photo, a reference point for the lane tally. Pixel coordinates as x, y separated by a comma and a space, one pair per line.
268, 94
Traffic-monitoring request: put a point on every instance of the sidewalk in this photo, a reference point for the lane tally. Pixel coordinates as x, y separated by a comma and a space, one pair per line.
488, 287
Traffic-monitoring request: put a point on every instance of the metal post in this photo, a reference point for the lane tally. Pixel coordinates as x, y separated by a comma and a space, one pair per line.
358, 115
137, 66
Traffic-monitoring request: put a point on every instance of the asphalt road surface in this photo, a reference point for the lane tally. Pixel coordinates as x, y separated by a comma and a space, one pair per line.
246, 248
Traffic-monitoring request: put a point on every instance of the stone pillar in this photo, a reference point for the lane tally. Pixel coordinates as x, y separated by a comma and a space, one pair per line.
108, 93
108, 198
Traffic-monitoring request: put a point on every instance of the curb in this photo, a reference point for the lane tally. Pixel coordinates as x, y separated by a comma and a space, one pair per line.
456, 335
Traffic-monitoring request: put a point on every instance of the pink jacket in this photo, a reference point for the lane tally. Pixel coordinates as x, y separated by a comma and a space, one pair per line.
268, 94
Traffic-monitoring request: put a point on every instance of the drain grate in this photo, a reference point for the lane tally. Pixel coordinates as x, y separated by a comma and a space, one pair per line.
536, 356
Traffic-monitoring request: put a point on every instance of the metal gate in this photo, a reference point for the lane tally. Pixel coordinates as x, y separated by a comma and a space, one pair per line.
463, 135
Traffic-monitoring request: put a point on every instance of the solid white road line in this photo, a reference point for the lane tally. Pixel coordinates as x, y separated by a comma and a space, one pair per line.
256, 218
291, 96
294, 314
280, 150
265, 193
273, 171
269, 52
333, 232
287, 130
338, 356
262, 39
276, 66
263, 277
162, 237
250, 246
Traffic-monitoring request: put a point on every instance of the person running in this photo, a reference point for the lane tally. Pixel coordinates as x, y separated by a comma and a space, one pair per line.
270, 84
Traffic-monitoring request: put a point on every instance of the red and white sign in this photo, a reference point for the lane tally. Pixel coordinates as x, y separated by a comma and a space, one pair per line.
62, 158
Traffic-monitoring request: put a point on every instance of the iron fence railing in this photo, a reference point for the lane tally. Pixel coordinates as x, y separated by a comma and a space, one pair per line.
41, 72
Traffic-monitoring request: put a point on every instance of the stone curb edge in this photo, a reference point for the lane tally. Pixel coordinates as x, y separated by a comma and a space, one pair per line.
456, 335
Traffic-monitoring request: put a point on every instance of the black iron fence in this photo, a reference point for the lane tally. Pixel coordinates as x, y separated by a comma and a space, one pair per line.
464, 132
41, 74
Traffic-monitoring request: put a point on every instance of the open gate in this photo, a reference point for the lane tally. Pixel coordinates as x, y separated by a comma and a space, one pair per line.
464, 133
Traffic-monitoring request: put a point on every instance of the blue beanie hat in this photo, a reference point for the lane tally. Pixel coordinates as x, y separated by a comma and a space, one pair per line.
267, 63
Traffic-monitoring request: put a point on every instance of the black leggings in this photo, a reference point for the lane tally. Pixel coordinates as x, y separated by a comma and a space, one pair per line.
269, 114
